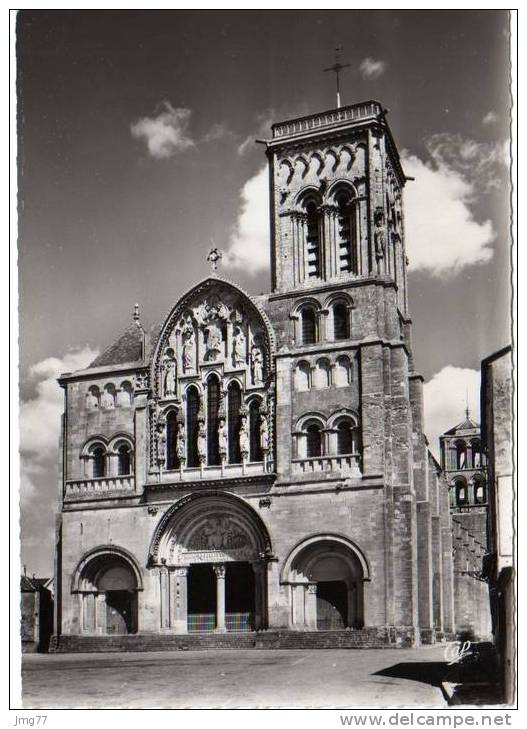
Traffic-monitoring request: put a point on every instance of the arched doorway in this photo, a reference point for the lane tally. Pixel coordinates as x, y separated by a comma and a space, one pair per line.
107, 581
325, 575
211, 553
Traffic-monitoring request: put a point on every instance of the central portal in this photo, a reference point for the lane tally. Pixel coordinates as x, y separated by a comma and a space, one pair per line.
207, 611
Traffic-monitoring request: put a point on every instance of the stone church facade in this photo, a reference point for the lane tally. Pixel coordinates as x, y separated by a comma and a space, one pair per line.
258, 463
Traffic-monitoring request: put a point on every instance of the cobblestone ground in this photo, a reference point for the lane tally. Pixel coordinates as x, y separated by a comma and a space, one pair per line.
230, 679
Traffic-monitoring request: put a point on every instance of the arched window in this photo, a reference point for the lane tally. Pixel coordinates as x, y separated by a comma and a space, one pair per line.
347, 251
234, 398
124, 395
213, 403
171, 444
93, 398
341, 328
124, 461
480, 495
477, 460
461, 493
98, 462
313, 240
309, 325
461, 454
314, 440
342, 372
346, 442
302, 371
322, 374
108, 397
192, 427
254, 425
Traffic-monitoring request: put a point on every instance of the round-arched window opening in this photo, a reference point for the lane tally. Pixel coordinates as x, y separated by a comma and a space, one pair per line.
98, 469
479, 493
309, 326
345, 439
461, 494
124, 460
314, 441
340, 322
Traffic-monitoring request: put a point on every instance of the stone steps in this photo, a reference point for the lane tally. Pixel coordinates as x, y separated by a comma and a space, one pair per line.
366, 638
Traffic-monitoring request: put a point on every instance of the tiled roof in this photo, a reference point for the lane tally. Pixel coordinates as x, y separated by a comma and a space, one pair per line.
32, 584
128, 348
467, 424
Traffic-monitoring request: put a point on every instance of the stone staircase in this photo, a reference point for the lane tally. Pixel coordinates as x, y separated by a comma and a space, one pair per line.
365, 638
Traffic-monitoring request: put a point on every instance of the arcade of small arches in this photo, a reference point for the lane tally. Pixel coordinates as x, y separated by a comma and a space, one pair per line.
323, 373
211, 558
464, 453
102, 458
316, 436
313, 323
468, 493
110, 396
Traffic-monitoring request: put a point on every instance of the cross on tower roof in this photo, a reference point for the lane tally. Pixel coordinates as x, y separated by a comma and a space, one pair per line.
337, 68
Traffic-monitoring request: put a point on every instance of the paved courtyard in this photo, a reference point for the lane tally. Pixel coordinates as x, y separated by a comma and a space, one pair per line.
230, 679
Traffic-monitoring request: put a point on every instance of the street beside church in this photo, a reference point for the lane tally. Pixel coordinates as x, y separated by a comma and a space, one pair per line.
230, 679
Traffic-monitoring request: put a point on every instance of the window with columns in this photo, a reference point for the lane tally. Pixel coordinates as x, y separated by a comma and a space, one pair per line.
213, 404
341, 324
193, 403
234, 403
347, 235
124, 460
98, 461
313, 239
313, 440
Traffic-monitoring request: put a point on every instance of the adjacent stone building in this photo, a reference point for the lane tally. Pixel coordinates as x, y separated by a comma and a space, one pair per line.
465, 468
497, 435
259, 462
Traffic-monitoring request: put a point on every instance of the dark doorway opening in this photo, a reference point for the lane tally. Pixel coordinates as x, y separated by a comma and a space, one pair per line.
332, 605
239, 597
201, 598
119, 612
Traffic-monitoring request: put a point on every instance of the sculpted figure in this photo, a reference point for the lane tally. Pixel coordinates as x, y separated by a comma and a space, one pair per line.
188, 350
181, 450
238, 348
257, 365
379, 237
244, 437
202, 441
214, 341
170, 377
222, 438
161, 443
264, 433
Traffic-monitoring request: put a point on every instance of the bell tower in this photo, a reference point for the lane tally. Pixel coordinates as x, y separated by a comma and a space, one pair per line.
336, 201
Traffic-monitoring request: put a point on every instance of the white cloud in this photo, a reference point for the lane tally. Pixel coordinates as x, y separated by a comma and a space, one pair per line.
40, 416
249, 241
371, 68
216, 132
442, 236
445, 397
166, 133
483, 164
490, 118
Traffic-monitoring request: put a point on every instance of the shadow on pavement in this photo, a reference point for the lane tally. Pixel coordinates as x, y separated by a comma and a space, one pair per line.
430, 672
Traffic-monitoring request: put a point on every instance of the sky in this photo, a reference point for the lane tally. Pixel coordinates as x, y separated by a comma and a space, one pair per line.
136, 154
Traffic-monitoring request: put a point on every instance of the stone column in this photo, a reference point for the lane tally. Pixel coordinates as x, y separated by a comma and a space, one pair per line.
164, 602
100, 613
310, 607
219, 570
179, 602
